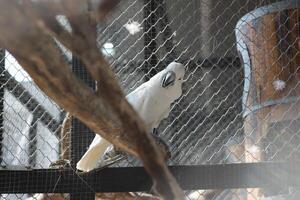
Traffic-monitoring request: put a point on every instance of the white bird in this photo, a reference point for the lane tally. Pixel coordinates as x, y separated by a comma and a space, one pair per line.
151, 101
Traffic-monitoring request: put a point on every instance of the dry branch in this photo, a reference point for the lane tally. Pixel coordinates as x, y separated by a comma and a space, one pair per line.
28, 35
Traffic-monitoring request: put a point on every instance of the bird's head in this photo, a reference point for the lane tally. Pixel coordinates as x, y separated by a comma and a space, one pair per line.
172, 75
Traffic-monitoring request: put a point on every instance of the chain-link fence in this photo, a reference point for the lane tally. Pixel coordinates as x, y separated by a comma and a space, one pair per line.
240, 100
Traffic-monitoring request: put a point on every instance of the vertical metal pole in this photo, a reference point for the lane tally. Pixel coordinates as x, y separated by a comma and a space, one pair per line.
81, 135
2, 69
150, 16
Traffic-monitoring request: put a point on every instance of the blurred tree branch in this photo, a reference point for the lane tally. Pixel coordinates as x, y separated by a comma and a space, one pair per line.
29, 31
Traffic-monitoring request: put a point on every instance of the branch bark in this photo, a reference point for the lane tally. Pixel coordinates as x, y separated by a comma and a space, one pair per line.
28, 35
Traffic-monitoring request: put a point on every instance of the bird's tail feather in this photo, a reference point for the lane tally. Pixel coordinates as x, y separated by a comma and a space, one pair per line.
90, 159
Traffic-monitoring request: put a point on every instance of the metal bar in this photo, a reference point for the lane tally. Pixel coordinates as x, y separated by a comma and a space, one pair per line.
2, 69
135, 179
33, 105
256, 107
151, 17
81, 135
272, 8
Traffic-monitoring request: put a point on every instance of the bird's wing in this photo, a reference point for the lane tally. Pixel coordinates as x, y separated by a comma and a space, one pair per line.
137, 97
163, 115
141, 100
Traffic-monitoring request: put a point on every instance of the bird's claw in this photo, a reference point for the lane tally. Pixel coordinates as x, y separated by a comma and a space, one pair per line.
113, 160
165, 148
60, 164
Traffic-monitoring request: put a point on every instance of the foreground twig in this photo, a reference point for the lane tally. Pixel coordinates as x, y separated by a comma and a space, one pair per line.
29, 36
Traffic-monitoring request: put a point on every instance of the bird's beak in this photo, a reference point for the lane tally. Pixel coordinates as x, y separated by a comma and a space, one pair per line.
168, 79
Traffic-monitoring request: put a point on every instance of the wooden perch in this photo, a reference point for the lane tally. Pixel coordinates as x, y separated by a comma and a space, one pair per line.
124, 196
28, 35
99, 196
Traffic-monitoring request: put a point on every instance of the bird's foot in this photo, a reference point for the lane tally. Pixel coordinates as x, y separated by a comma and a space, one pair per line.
114, 159
113, 156
165, 148
112, 153
60, 164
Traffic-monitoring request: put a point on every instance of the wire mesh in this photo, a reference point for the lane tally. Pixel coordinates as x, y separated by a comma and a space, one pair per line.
214, 121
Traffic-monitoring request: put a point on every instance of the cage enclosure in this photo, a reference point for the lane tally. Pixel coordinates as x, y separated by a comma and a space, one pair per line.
232, 134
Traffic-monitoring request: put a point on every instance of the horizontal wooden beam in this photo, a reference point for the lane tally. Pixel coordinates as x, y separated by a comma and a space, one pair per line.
246, 175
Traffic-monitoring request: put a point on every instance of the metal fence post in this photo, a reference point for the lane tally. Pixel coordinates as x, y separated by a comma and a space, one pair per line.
81, 136
2, 68
151, 17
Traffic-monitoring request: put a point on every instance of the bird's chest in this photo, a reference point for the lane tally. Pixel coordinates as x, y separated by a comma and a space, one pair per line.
153, 108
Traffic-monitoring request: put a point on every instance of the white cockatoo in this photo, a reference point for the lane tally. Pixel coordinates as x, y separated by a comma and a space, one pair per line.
151, 101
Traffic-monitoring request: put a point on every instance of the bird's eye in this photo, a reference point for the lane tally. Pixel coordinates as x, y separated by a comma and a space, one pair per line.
179, 79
